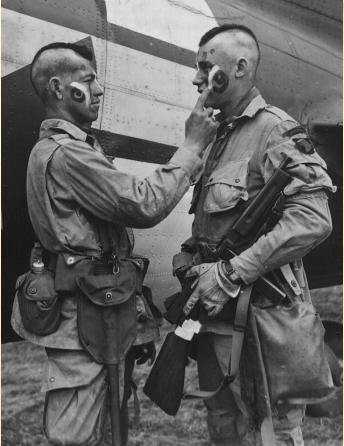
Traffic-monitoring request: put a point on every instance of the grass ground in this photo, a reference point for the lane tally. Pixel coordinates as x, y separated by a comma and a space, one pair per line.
22, 408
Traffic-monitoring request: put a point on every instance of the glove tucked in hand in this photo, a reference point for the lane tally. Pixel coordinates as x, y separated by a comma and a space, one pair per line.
212, 286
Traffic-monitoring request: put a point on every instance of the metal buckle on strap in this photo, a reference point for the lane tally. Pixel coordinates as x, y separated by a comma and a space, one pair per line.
239, 327
291, 279
115, 263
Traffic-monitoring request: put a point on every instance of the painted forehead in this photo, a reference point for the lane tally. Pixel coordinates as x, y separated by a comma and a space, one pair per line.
204, 53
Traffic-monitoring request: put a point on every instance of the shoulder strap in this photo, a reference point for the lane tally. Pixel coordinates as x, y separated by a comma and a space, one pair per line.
238, 339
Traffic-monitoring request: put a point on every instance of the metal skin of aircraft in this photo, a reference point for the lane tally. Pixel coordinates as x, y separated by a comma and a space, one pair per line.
145, 54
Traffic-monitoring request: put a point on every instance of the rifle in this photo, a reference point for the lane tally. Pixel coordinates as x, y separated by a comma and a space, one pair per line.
258, 218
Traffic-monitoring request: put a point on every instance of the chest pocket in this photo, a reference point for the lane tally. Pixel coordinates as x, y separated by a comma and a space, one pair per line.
226, 187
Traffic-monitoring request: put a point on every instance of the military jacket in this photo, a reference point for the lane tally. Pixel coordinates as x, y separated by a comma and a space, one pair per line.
238, 164
80, 204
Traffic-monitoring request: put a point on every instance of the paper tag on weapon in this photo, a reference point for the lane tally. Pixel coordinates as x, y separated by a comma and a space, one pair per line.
188, 329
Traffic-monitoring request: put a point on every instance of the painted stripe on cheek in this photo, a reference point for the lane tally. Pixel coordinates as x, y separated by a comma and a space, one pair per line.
80, 93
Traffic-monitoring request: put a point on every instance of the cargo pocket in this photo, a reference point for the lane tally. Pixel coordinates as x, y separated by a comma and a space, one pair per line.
226, 187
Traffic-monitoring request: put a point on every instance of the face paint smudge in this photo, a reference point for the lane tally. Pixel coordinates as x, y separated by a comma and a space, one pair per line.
204, 55
77, 95
217, 80
80, 93
211, 76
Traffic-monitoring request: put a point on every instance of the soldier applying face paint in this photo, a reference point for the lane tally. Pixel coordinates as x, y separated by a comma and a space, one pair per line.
81, 208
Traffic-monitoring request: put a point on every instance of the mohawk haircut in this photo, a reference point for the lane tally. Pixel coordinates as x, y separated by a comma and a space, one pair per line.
82, 50
229, 27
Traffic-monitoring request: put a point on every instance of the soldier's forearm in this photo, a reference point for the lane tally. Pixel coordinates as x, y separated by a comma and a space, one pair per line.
145, 203
305, 223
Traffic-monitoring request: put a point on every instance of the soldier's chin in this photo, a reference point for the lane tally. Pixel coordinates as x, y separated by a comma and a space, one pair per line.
210, 102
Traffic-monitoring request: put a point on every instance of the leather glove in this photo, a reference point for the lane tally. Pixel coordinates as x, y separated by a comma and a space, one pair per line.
144, 352
212, 286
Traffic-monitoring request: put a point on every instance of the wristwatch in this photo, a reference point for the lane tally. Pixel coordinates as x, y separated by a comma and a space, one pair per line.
232, 274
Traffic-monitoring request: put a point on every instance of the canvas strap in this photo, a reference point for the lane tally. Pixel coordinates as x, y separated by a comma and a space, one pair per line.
233, 366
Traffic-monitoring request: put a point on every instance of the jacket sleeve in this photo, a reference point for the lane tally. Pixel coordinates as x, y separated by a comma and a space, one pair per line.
306, 220
112, 195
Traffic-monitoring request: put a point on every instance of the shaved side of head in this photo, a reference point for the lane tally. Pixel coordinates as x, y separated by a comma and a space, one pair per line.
56, 59
236, 41
238, 44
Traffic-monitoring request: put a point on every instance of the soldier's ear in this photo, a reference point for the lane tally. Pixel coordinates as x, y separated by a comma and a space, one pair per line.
242, 67
55, 87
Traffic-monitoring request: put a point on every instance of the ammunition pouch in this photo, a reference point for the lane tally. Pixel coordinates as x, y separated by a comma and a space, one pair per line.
107, 310
39, 305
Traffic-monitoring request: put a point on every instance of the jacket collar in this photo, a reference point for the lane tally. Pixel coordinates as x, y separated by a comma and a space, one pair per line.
257, 103
51, 126
251, 105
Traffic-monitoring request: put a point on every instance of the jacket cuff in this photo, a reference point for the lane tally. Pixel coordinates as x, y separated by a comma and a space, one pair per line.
248, 268
189, 162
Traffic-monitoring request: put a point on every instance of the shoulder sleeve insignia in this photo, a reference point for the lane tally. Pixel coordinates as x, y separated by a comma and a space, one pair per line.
304, 145
294, 131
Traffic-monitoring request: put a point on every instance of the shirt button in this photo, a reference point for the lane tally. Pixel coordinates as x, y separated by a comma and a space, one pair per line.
293, 283
52, 379
70, 260
32, 290
237, 180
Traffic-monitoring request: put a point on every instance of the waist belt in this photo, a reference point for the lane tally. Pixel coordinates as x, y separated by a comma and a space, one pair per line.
50, 259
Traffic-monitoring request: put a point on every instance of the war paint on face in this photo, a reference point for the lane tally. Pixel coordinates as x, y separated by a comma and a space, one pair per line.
80, 93
217, 80
211, 76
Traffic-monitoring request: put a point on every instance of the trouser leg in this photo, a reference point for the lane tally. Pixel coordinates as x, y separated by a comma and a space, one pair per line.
76, 406
76, 416
287, 424
227, 425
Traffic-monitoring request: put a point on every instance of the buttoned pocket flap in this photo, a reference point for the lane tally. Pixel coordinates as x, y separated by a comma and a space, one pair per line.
110, 289
226, 187
38, 287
